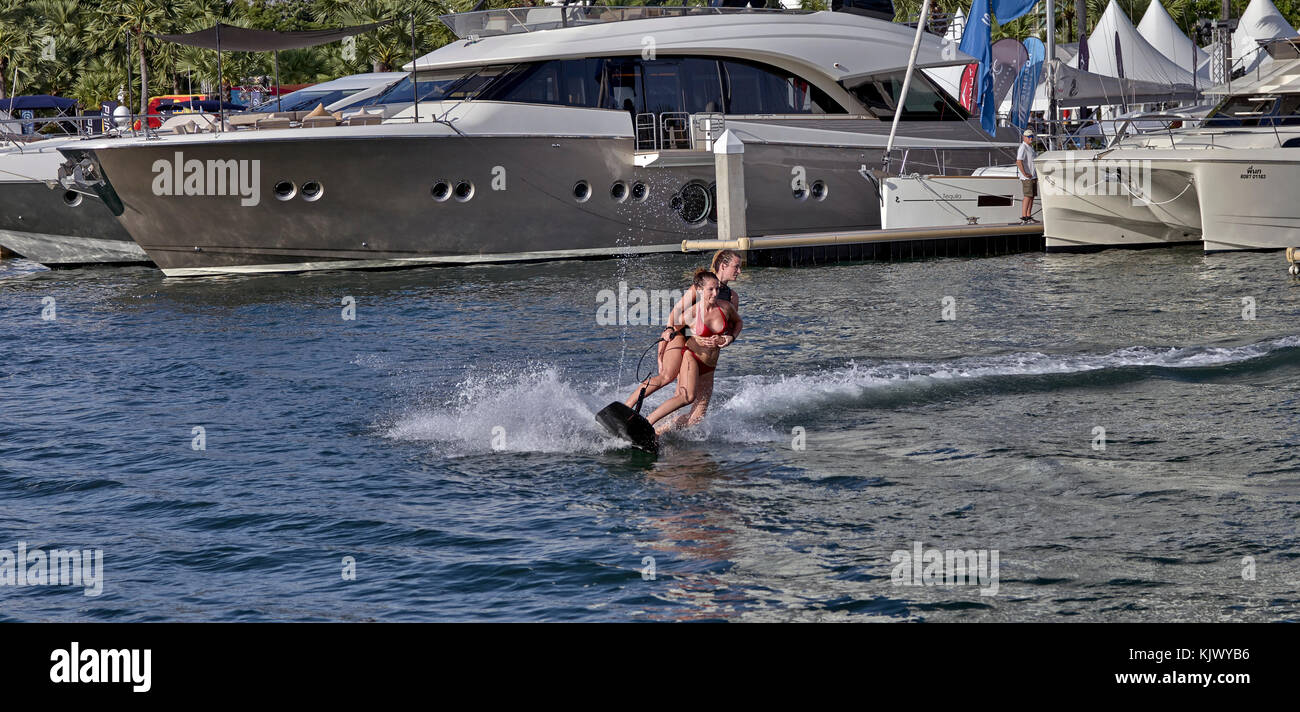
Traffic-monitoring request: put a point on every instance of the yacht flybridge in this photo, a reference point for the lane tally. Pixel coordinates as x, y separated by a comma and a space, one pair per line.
554, 132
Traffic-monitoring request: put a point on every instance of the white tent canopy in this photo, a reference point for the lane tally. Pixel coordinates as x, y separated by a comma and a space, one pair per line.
1158, 28
1075, 88
1261, 21
956, 27
1141, 61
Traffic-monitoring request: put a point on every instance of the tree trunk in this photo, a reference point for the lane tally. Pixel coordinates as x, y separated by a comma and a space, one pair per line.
144, 73
4, 67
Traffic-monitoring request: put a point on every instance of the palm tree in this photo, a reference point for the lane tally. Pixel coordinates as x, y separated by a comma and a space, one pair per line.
132, 21
97, 81
20, 42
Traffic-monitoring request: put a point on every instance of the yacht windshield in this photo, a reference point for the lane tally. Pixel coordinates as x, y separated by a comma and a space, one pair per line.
1256, 110
437, 86
925, 101
304, 100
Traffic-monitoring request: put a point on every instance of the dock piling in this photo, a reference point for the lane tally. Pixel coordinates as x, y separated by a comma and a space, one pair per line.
729, 169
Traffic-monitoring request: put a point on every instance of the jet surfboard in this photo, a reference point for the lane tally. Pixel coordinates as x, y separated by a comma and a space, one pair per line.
627, 424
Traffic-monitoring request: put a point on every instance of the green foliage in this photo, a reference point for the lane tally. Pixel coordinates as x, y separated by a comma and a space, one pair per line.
90, 38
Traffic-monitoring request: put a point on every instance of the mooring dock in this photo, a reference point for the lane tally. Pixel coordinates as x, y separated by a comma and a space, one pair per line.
879, 245
887, 244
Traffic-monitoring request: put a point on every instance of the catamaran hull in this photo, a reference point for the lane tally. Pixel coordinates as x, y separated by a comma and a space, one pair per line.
1248, 203
1108, 203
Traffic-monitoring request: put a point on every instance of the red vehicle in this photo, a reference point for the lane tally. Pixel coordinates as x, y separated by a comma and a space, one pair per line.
154, 120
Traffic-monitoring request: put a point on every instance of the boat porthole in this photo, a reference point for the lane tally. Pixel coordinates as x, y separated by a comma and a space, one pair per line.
800, 193
312, 191
285, 190
640, 192
72, 198
581, 191
819, 190
618, 191
464, 191
713, 202
440, 191
693, 203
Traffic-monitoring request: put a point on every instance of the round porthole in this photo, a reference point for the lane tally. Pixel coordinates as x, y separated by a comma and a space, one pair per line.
800, 193
440, 191
71, 198
581, 191
284, 190
640, 192
693, 203
819, 190
713, 202
464, 191
312, 191
618, 191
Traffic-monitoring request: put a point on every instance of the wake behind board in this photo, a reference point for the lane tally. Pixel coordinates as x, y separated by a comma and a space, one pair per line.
623, 422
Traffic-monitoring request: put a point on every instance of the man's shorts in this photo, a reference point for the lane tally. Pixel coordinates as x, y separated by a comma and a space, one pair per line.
1030, 187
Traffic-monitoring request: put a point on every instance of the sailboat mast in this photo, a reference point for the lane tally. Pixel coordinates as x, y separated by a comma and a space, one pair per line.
907, 78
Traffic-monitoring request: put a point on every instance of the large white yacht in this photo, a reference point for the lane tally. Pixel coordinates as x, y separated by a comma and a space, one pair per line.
557, 132
1228, 183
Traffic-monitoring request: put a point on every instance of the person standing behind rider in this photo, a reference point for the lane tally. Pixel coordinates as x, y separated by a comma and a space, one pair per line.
1025, 156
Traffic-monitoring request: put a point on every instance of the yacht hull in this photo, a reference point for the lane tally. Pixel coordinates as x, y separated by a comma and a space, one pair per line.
53, 226
376, 206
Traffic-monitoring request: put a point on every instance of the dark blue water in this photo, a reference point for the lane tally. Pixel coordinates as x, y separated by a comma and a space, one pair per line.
444, 440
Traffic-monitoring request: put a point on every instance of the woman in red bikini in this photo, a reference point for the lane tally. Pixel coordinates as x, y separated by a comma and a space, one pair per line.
709, 318
726, 265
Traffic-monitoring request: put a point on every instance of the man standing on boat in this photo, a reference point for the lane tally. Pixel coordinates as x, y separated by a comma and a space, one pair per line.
1025, 156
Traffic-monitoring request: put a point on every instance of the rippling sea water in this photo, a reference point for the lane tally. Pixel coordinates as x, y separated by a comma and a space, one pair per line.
444, 439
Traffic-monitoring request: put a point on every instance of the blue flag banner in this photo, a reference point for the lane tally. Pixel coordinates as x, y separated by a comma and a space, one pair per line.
977, 41
1008, 10
1022, 95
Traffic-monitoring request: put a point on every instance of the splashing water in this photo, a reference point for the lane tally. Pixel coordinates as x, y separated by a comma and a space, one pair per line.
537, 410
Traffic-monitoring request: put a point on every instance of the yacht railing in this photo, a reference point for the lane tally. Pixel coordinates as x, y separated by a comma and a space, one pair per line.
1203, 128
518, 20
647, 133
11, 129
678, 131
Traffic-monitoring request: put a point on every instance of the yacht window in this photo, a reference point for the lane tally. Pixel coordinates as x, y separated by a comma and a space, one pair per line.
663, 86
702, 85
925, 101
757, 89
570, 82
1242, 110
470, 86
626, 85
1288, 113
431, 85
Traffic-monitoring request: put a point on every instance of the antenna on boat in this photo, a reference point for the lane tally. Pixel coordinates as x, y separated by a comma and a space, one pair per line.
907, 81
